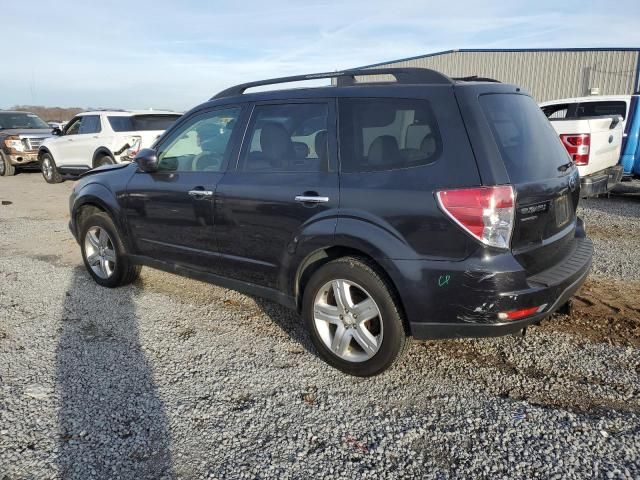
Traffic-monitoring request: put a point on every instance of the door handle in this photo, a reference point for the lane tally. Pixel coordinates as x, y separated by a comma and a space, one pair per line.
198, 194
311, 199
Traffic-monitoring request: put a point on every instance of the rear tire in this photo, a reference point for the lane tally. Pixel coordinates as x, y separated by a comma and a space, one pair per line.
7, 169
354, 318
49, 169
104, 254
104, 160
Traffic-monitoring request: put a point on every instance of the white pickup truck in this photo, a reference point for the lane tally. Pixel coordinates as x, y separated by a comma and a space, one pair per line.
593, 139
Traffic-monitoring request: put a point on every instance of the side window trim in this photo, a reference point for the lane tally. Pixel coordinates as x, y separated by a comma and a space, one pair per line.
332, 128
168, 135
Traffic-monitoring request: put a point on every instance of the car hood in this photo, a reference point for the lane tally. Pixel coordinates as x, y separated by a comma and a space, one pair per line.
105, 168
40, 132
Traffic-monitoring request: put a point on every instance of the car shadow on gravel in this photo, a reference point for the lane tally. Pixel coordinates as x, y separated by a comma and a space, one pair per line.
112, 423
289, 321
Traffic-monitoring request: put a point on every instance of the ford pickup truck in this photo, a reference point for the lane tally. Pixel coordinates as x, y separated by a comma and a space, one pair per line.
21, 134
627, 107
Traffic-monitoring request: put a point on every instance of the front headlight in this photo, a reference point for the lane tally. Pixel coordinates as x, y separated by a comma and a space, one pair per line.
14, 143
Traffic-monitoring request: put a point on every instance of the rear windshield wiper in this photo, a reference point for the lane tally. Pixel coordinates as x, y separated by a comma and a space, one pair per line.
563, 168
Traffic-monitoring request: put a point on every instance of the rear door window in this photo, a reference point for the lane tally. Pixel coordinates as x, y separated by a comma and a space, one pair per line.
596, 109
386, 134
141, 123
528, 144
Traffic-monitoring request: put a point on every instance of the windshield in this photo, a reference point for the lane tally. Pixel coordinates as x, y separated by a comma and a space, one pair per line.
21, 120
142, 123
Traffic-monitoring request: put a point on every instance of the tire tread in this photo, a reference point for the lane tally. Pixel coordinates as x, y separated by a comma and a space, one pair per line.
382, 278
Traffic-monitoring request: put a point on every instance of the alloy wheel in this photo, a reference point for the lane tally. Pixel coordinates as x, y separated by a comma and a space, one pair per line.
348, 320
100, 252
47, 168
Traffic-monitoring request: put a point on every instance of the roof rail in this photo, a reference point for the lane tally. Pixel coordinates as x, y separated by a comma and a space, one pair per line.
475, 78
348, 77
104, 110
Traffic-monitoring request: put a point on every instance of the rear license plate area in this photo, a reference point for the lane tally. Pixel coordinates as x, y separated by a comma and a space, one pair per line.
562, 207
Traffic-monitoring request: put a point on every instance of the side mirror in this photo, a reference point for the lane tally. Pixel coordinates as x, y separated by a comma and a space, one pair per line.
147, 160
56, 131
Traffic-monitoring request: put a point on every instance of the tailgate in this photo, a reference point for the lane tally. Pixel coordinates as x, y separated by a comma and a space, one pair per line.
545, 181
605, 140
606, 143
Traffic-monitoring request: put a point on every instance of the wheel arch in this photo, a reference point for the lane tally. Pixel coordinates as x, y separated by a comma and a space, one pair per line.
318, 258
42, 151
95, 197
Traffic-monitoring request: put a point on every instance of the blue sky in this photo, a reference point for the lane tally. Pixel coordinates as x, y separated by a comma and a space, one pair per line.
169, 54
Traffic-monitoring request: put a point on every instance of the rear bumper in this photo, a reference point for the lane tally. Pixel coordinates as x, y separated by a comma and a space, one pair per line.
600, 182
463, 299
558, 294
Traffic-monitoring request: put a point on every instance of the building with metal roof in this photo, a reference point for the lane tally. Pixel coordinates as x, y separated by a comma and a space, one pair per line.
548, 74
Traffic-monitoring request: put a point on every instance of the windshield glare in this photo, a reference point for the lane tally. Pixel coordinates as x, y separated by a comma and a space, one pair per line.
21, 120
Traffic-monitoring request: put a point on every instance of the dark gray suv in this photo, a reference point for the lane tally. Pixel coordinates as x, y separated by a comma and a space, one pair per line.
416, 205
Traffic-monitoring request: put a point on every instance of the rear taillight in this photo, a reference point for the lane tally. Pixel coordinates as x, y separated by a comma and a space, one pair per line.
134, 148
485, 212
578, 146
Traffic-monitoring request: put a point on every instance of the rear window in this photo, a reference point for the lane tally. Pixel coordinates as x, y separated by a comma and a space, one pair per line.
596, 109
528, 144
386, 134
142, 123
556, 111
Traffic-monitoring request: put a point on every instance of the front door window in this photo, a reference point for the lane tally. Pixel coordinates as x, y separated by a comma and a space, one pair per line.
201, 145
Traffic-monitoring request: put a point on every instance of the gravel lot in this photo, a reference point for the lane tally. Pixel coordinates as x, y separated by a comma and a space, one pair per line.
173, 378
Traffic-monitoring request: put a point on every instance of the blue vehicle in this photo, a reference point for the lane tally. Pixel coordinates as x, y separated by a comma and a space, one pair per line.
630, 157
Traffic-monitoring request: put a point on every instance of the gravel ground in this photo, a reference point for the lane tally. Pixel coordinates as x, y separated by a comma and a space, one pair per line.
173, 378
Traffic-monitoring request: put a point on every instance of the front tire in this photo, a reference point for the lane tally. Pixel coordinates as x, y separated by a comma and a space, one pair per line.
7, 169
104, 254
49, 169
354, 318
